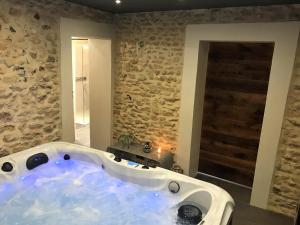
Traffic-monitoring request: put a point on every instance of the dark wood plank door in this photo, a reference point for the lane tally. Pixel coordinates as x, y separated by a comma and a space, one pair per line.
235, 96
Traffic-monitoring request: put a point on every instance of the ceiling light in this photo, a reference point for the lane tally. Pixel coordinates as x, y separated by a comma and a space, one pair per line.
118, 2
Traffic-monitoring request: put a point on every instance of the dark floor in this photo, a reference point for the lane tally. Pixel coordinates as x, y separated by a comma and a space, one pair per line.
244, 213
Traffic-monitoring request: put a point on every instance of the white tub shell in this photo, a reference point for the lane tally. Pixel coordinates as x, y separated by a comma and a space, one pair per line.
216, 201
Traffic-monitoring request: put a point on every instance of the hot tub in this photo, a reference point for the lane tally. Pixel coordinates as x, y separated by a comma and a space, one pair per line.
66, 184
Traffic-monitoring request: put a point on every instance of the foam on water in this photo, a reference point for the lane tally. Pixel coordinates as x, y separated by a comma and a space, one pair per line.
80, 193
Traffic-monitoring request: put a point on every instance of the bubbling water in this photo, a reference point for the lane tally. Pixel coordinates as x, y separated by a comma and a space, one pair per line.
80, 193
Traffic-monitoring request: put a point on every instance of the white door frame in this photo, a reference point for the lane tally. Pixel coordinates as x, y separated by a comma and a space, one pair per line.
285, 37
70, 28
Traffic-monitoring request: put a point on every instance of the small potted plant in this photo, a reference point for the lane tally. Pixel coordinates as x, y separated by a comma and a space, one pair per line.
127, 139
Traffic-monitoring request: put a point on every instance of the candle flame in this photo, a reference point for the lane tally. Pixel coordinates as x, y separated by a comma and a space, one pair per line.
159, 150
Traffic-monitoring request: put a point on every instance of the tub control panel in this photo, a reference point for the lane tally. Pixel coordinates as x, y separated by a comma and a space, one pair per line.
119, 155
136, 154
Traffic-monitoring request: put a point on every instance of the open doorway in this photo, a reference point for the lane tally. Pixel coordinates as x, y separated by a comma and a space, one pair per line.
100, 39
234, 103
80, 73
92, 91
285, 39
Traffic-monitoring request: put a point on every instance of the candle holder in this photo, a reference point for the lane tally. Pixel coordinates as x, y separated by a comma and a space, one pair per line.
147, 147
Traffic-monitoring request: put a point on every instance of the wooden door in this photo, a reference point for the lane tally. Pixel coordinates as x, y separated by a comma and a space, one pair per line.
235, 96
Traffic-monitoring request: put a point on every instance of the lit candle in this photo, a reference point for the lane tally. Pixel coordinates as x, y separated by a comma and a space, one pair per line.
159, 150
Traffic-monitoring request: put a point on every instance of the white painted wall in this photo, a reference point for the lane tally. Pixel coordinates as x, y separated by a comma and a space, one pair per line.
192, 110
70, 28
100, 93
285, 37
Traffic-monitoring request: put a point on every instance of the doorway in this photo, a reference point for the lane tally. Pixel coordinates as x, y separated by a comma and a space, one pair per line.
236, 88
80, 72
100, 56
285, 38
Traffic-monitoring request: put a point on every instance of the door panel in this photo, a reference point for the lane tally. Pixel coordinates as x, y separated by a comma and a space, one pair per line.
234, 103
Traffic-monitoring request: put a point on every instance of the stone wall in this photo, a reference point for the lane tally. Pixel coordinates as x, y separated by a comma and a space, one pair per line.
148, 82
29, 70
